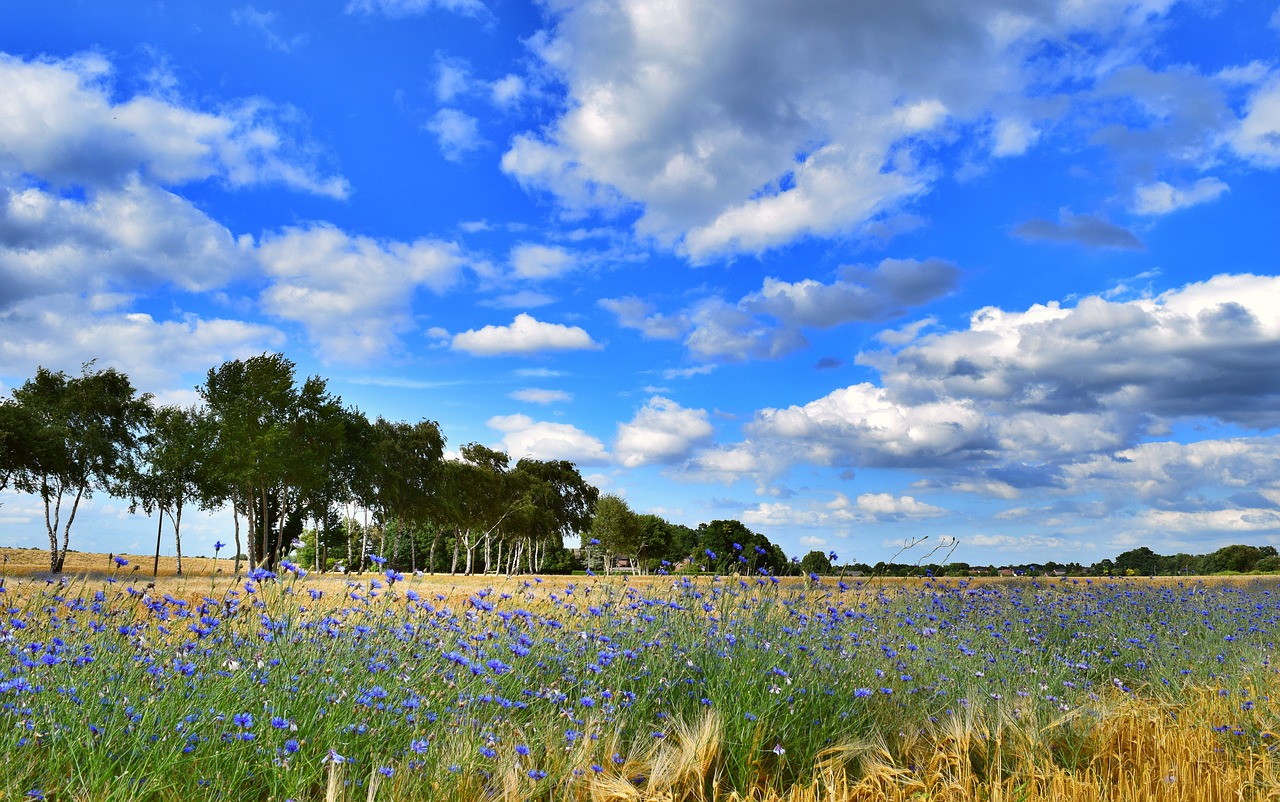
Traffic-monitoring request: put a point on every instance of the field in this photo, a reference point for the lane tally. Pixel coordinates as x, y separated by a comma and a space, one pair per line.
387, 687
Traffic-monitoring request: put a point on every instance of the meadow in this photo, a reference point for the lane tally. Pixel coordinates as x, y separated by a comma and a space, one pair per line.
387, 687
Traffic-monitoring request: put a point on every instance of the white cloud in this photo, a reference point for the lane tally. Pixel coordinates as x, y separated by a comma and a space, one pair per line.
525, 437
117, 238
1162, 198
634, 313
58, 121
1013, 137
739, 126
1257, 138
525, 335
61, 332
662, 431
1049, 400
768, 323
888, 507
507, 90
352, 294
535, 395
524, 299
538, 262
457, 133
413, 8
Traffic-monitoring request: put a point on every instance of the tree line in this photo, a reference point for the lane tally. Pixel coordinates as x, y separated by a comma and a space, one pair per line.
310, 479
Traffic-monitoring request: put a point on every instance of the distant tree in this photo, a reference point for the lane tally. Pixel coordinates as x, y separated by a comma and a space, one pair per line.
815, 562
84, 436
1268, 565
737, 548
1141, 561
1238, 558
617, 528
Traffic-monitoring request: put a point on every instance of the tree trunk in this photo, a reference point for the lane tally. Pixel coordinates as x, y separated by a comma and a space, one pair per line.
457, 539
431, 560
177, 536
155, 567
235, 515
364, 541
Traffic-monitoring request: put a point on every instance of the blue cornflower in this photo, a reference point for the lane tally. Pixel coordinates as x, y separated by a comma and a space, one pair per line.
386, 771
291, 746
419, 745
522, 750
122, 562
279, 723
710, 554
861, 693
587, 701
242, 720
595, 541
218, 546
488, 751
377, 560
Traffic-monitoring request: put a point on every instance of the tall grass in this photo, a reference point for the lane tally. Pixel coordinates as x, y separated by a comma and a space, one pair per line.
732, 688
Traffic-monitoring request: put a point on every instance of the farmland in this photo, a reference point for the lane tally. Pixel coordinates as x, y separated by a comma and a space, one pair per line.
387, 686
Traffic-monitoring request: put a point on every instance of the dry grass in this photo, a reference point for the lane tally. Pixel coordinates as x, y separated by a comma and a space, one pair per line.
1137, 751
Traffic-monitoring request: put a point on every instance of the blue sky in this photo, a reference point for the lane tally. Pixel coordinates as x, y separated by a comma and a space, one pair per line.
853, 273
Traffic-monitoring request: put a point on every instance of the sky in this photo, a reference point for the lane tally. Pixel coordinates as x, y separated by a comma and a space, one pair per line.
997, 277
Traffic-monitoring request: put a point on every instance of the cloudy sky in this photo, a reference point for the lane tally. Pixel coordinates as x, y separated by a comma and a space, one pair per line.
854, 273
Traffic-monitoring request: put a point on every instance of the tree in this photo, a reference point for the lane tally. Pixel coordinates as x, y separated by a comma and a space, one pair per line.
815, 562
617, 528
556, 502
16, 439
1141, 561
172, 472
274, 444
84, 436
737, 548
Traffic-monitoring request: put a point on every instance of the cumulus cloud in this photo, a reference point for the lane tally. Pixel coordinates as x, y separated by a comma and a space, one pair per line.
352, 294
863, 295
1087, 230
525, 437
538, 262
738, 126
525, 335
634, 313
61, 332
58, 120
118, 238
769, 323
1162, 198
662, 431
457, 133
1257, 138
1052, 399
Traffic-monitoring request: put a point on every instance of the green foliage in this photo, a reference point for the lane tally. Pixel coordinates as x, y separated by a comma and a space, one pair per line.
815, 562
81, 434
616, 527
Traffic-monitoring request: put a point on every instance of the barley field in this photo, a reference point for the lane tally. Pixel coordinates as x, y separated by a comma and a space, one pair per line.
391, 687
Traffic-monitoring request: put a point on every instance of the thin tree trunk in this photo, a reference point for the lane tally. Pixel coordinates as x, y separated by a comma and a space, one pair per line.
364, 541
349, 522
235, 515
155, 567
457, 539
177, 536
